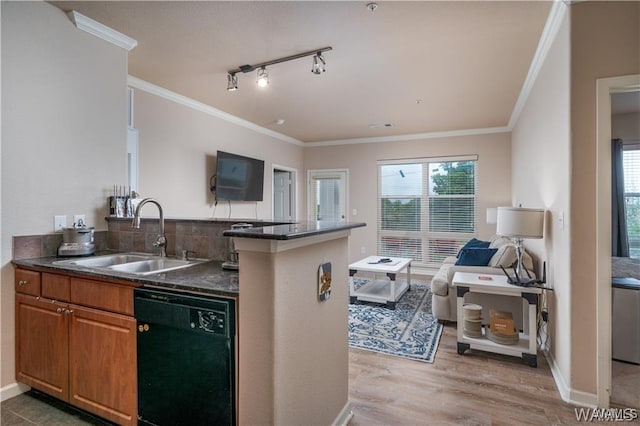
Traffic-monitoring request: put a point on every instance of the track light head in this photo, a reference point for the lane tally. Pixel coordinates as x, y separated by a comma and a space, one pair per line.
232, 82
319, 65
263, 77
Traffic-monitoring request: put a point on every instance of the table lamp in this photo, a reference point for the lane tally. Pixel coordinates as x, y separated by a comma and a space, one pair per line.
520, 223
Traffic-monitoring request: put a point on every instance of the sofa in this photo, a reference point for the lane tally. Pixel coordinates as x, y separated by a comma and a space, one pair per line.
444, 299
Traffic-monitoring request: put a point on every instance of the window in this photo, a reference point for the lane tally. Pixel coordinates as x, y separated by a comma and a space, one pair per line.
631, 165
426, 208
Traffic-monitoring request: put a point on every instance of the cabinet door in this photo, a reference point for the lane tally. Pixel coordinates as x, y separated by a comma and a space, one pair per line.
102, 364
42, 343
55, 286
27, 282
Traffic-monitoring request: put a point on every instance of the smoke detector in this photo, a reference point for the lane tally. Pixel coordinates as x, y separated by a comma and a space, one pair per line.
380, 125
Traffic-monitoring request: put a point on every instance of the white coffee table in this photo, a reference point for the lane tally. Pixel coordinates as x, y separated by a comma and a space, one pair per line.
380, 291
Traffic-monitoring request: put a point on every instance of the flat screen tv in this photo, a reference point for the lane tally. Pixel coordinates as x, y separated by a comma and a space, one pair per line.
238, 178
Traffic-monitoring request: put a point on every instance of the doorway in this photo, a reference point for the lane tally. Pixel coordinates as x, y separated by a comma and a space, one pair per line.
327, 195
605, 88
284, 194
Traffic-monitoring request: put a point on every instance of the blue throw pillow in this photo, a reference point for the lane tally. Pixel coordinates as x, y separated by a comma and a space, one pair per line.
474, 242
475, 256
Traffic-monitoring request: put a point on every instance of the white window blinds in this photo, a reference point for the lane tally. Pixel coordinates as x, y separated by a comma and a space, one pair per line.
631, 166
426, 208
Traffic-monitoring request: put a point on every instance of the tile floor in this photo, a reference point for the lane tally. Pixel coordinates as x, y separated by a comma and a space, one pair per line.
34, 408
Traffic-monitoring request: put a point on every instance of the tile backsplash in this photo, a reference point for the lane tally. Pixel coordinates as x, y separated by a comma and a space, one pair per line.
202, 237
30, 246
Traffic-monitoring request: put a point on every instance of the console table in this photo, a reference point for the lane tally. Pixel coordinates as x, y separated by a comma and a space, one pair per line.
380, 291
527, 346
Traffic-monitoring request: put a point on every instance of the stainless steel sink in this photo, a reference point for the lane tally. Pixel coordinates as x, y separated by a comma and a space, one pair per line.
154, 266
131, 263
107, 260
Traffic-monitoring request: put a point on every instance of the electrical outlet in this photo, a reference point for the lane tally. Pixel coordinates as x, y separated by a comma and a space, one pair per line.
77, 218
59, 222
363, 249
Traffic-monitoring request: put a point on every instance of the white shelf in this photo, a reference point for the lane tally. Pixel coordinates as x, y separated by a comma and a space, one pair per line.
379, 291
526, 347
484, 344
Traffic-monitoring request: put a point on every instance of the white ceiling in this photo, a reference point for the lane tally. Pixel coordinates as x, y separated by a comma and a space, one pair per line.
625, 102
421, 66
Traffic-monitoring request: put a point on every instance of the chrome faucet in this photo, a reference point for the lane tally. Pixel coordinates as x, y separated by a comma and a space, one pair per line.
161, 241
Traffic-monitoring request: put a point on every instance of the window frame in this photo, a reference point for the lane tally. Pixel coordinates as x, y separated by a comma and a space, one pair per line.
633, 249
424, 234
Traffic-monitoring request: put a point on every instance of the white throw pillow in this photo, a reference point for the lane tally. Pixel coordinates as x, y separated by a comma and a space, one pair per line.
498, 241
505, 256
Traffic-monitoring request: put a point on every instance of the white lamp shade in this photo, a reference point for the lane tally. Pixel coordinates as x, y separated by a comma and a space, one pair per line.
520, 222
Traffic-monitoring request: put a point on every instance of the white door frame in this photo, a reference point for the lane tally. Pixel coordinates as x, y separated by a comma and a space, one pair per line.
605, 87
328, 173
294, 192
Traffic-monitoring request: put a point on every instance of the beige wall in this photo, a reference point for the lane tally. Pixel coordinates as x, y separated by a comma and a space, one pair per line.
293, 359
605, 42
494, 176
63, 132
541, 178
177, 148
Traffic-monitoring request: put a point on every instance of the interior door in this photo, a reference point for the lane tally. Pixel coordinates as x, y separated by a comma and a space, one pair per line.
282, 199
327, 199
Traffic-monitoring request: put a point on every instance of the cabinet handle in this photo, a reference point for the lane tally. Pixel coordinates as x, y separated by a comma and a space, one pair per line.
22, 283
60, 310
69, 311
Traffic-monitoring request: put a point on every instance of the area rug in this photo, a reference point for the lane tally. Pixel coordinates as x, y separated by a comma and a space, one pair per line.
409, 331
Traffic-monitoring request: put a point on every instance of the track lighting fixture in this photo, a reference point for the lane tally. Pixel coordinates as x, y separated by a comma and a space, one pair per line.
263, 77
318, 67
232, 82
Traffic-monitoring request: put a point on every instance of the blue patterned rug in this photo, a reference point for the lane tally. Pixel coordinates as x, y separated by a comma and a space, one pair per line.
409, 331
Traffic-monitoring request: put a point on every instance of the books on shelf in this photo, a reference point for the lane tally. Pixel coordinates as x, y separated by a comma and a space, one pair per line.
501, 328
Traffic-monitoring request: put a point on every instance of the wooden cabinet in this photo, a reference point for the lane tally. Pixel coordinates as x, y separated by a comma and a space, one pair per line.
102, 364
42, 345
82, 348
28, 282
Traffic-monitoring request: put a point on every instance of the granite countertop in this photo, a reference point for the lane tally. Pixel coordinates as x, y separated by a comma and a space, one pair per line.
204, 278
293, 231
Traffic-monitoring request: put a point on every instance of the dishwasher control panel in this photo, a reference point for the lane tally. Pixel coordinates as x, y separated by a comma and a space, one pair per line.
208, 321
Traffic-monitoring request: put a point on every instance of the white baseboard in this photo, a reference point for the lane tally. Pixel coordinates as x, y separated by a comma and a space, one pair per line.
345, 416
14, 389
572, 396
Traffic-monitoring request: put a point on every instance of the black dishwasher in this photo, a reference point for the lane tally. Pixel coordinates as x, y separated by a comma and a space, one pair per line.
186, 367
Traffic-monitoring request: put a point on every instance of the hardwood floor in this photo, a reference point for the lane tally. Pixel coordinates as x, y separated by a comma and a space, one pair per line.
625, 391
477, 388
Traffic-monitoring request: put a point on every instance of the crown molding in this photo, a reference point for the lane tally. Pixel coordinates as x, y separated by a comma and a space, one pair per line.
140, 84
102, 31
412, 137
549, 33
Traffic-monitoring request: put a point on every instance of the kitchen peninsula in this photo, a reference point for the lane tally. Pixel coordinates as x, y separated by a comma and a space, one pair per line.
292, 359
293, 346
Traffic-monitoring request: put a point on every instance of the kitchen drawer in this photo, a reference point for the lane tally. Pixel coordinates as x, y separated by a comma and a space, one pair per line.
102, 295
27, 282
56, 287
